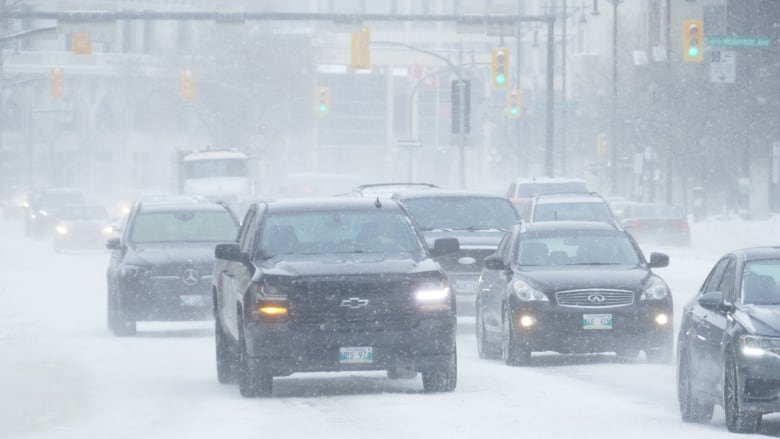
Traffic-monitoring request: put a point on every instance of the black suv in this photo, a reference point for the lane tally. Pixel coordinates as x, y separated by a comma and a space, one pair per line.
729, 341
478, 220
572, 287
337, 284
160, 268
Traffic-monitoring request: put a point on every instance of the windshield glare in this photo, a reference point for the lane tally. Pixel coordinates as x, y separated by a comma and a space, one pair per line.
337, 232
461, 213
183, 226
215, 168
760, 281
577, 248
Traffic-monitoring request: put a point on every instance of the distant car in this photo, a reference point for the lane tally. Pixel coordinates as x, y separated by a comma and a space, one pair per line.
657, 223
585, 206
477, 219
160, 268
82, 227
521, 190
386, 190
728, 347
572, 287
332, 284
44, 206
15, 205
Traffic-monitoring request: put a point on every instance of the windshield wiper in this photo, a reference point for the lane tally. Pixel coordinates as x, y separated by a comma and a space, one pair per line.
435, 229
475, 228
597, 263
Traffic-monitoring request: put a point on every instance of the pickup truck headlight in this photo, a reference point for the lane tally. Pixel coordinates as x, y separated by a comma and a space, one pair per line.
432, 296
657, 290
268, 301
62, 230
758, 346
527, 293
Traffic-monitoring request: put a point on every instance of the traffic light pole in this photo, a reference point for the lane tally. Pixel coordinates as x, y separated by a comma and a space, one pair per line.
613, 118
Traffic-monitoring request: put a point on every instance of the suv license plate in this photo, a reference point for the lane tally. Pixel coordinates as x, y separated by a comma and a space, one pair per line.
356, 355
597, 321
190, 300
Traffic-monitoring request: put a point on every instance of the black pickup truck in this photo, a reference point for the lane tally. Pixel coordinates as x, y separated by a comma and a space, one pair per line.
337, 284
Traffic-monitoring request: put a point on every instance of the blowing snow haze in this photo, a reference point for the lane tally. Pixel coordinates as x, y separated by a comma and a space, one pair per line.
197, 199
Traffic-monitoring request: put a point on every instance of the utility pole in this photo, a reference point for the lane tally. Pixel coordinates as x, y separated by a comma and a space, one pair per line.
613, 121
564, 43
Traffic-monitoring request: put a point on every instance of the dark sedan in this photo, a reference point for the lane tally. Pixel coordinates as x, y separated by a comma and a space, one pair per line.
44, 206
728, 348
656, 223
572, 287
161, 266
84, 226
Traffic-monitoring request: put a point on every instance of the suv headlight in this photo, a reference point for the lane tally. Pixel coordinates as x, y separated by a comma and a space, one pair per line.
527, 293
133, 271
655, 291
757, 346
433, 296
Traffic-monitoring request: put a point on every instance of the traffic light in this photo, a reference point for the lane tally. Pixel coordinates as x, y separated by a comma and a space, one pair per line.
499, 76
361, 52
80, 44
514, 104
693, 40
188, 88
323, 100
57, 83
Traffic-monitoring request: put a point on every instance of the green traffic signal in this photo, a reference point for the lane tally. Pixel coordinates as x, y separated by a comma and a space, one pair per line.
323, 108
693, 52
500, 79
513, 110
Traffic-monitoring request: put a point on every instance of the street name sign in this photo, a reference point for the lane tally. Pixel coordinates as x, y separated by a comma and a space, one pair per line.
722, 41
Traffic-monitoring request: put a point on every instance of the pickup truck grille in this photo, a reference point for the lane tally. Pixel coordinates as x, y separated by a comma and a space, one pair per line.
347, 304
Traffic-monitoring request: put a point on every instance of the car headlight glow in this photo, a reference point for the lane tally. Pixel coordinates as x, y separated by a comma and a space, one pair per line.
108, 230
661, 319
758, 346
433, 296
527, 293
655, 291
43, 213
62, 230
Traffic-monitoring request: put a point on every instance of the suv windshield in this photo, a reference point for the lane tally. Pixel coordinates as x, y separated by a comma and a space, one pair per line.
337, 232
461, 213
580, 247
184, 225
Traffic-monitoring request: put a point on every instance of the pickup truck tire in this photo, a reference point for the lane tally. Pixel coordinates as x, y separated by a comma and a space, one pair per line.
227, 357
252, 381
444, 379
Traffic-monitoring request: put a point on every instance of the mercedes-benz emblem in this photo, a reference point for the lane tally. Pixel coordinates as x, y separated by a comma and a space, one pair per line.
596, 298
354, 303
190, 277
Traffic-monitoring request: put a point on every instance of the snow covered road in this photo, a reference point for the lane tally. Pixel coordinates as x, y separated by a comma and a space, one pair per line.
62, 373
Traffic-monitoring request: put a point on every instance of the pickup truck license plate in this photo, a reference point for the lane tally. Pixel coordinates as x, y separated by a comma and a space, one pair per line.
597, 321
356, 355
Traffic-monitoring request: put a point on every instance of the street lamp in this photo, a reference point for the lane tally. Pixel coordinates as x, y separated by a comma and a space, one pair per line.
613, 118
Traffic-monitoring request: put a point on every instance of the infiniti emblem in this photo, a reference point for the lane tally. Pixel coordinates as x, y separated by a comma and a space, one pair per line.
354, 303
190, 277
596, 298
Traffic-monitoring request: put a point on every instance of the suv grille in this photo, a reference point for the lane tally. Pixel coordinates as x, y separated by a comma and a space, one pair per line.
595, 298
